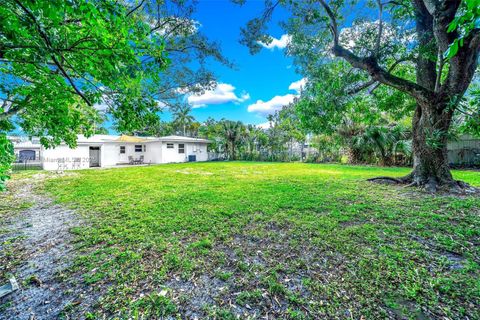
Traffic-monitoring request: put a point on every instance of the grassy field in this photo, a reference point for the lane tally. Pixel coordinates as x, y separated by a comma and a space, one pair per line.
286, 241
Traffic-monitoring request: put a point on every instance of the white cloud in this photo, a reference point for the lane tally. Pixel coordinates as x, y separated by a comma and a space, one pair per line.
265, 125
272, 105
277, 43
102, 107
298, 86
104, 103
364, 34
222, 93
277, 102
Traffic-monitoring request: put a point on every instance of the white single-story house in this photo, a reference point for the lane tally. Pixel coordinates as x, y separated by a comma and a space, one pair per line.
110, 150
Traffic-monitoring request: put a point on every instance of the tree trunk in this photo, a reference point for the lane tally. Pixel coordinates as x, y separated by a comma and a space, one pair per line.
430, 138
431, 170
232, 149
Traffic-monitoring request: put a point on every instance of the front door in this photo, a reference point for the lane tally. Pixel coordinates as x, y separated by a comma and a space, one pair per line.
94, 156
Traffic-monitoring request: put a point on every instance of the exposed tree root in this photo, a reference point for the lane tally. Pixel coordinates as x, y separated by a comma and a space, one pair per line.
412, 184
430, 184
399, 181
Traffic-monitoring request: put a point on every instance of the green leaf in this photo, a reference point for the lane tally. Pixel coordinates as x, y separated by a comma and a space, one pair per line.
452, 50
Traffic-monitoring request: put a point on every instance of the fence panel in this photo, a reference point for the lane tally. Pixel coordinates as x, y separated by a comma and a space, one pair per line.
464, 153
24, 164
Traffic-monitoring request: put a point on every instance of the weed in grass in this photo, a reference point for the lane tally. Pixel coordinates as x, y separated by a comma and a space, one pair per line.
249, 297
296, 315
274, 287
224, 275
216, 313
152, 306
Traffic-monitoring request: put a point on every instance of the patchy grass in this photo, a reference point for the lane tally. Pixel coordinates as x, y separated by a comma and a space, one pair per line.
287, 241
11, 204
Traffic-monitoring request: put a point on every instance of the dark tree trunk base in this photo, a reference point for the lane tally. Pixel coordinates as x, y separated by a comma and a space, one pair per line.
429, 184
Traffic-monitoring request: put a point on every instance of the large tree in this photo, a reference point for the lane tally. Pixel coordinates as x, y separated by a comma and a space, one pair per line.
440, 39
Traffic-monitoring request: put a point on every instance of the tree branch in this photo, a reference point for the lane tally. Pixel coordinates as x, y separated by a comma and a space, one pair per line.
16, 108
367, 84
135, 8
380, 28
475, 42
361, 87
44, 36
370, 64
462, 67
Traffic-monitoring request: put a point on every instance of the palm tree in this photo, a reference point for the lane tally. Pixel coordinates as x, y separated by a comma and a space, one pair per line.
182, 117
231, 130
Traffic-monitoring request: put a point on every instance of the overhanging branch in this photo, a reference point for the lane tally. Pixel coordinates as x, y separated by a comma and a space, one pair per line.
44, 36
370, 64
369, 83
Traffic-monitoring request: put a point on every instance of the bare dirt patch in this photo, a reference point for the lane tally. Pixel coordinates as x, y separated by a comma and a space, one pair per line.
42, 249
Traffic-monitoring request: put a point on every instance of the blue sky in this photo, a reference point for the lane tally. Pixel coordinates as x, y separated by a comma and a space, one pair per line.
256, 77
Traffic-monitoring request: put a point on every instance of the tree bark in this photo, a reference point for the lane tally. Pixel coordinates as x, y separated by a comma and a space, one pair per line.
431, 123
430, 157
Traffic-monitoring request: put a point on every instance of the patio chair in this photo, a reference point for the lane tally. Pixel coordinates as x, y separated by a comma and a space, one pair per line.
130, 160
141, 160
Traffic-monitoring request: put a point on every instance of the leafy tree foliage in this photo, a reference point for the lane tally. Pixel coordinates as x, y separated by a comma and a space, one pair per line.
385, 145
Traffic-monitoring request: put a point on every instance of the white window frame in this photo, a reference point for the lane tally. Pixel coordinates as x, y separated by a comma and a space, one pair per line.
181, 150
124, 149
170, 146
141, 148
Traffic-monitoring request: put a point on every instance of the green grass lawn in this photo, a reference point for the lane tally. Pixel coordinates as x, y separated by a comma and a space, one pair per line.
291, 241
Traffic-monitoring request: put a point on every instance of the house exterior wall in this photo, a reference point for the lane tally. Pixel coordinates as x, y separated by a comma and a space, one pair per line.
50, 157
191, 148
109, 154
199, 150
172, 155
154, 152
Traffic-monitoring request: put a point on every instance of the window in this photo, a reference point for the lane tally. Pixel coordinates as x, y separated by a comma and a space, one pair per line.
138, 148
169, 145
181, 148
144, 148
122, 149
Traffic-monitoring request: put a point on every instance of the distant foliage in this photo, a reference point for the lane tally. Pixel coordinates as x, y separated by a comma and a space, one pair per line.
282, 140
6, 158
